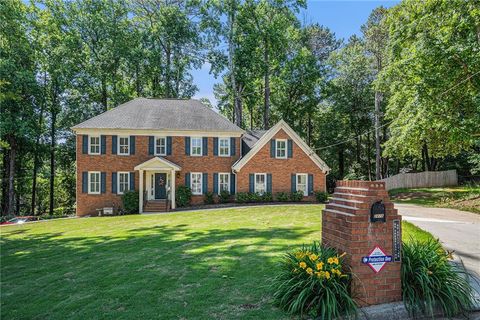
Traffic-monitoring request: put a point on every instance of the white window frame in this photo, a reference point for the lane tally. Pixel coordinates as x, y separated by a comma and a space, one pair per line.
119, 146
90, 191
201, 183
305, 192
164, 145
264, 183
225, 174
227, 154
191, 146
118, 182
284, 149
90, 144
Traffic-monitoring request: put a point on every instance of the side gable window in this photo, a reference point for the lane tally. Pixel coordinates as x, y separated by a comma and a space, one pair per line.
196, 146
196, 183
224, 147
123, 145
93, 144
281, 148
161, 146
302, 183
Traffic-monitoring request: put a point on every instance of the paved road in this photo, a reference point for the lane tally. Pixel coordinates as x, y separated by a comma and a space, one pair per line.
457, 230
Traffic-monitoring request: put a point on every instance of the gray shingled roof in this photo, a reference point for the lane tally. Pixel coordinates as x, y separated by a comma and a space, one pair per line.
161, 114
251, 137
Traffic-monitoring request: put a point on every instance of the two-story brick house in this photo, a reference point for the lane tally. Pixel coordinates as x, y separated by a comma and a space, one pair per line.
152, 145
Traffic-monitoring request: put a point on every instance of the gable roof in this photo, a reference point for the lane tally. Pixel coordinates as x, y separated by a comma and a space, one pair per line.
158, 163
251, 137
268, 135
161, 114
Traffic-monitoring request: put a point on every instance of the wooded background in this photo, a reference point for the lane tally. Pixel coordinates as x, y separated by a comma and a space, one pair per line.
404, 95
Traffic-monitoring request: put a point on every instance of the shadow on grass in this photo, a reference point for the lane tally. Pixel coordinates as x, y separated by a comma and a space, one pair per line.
151, 272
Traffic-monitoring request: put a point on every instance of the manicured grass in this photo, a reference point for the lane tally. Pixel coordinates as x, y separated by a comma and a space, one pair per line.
465, 198
185, 265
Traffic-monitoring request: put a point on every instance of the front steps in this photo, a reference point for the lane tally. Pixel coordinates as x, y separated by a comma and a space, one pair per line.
157, 206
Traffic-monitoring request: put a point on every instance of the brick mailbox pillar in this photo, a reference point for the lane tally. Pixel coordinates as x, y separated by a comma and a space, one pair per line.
360, 220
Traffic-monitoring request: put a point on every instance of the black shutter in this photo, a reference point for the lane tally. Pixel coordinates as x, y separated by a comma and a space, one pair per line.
114, 144
310, 184
114, 182
132, 144
205, 183
269, 182
205, 146
233, 147
132, 181
215, 183
169, 146
290, 148
103, 144
215, 146
187, 179
103, 182
272, 148
187, 146
251, 182
84, 144
232, 183
84, 182
151, 145
294, 182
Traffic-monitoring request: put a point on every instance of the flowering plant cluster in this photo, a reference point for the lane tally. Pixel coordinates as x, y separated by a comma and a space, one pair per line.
313, 280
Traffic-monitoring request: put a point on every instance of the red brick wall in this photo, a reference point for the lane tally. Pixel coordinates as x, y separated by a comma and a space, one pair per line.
108, 163
281, 169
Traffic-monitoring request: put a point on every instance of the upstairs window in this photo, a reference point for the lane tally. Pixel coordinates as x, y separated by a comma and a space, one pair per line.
196, 146
281, 148
224, 182
94, 145
160, 146
94, 182
123, 145
196, 183
224, 147
123, 182
260, 183
302, 183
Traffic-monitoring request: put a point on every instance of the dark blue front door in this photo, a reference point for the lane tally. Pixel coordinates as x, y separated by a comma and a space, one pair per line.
160, 185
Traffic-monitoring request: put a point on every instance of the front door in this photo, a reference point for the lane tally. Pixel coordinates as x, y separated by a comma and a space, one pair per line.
160, 185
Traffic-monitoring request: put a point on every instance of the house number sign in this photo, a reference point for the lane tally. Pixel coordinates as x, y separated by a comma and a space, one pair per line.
377, 212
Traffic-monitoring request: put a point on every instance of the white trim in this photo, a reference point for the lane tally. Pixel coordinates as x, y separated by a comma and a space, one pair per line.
118, 146
160, 161
201, 183
118, 181
286, 148
305, 193
228, 183
229, 147
99, 144
99, 182
255, 182
155, 132
155, 145
191, 147
237, 166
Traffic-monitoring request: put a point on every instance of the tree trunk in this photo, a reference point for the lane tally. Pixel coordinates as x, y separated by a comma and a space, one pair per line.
341, 163
266, 111
168, 85
104, 94
11, 175
367, 153
36, 148
357, 149
53, 129
378, 151
426, 157
4, 180
310, 129
237, 106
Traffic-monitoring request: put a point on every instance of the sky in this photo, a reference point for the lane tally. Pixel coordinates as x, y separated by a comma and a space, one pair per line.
343, 17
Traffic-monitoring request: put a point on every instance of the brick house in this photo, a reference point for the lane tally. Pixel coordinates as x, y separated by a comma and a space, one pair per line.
151, 145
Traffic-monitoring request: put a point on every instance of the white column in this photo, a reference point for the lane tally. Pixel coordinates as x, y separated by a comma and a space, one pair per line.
140, 203
172, 187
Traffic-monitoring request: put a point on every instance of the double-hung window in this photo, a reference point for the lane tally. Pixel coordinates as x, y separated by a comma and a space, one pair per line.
281, 148
196, 146
94, 182
94, 144
196, 183
260, 183
123, 182
160, 146
123, 145
224, 182
302, 183
224, 147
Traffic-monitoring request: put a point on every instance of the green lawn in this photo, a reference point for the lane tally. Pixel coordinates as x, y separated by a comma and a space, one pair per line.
185, 265
465, 198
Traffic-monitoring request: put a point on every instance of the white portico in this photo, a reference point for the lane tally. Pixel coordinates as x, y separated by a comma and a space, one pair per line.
157, 181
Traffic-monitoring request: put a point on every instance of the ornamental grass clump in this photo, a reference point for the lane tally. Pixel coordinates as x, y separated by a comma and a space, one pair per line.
431, 283
313, 281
